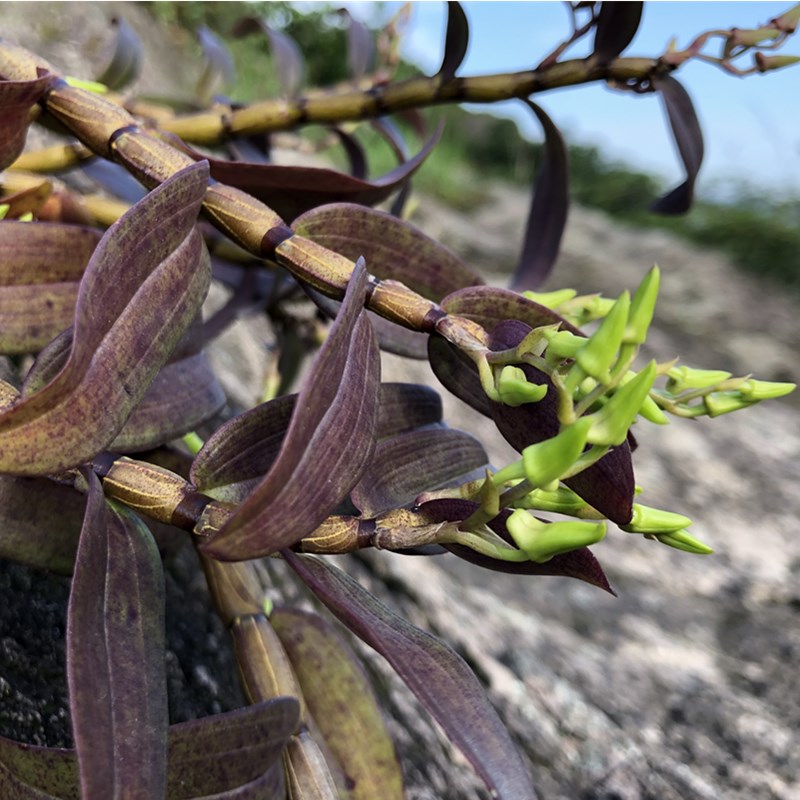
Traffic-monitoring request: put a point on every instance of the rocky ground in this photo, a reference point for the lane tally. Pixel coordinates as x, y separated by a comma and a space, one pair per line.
681, 687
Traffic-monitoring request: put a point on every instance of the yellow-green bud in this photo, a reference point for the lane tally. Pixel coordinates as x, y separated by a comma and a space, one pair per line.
765, 390
4, 209
682, 378
642, 308
681, 540
769, 63
563, 344
515, 390
547, 461
599, 352
540, 541
551, 299
655, 521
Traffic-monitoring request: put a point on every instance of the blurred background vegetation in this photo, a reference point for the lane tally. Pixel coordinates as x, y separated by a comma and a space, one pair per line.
759, 234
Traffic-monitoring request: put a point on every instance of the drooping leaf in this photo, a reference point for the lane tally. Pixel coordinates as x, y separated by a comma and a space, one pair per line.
394, 137
144, 284
355, 153
689, 140
125, 64
219, 72
457, 373
360, 46
16, 100
440, 678
290, 191
408, 464
341, 701
328, 444
115, 179
406, 407
456, 41
617, 24
579, 564
40, 522
548, 213
288, 59
115, 654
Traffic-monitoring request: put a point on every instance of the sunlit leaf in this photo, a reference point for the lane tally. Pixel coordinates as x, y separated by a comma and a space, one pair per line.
408, 464
16, 101
548, 212
125, 63
143, 286
340, 698
617, 24
689, 139
115, 654
328, 444
440, 678
456, 41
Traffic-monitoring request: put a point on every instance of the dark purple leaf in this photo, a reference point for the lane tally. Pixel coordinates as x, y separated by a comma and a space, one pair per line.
115, 179
288, 59
456, 372
16, 101
406, 407
579, 564
125, 63
40, 522
290, 191
219, 72
617, 24
327, 446
688, 138
413, 462
115, 654
360, 46
355, 153
439, 677
548, 213
456, 41
394, 137
142, 288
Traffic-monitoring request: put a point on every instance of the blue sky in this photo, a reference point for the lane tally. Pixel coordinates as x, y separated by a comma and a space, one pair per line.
751, 125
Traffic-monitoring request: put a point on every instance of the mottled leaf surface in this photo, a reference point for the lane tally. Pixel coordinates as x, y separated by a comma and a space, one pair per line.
456, 41
548, 212
689, 140
16, 100
328, 444
617, 24
342, 703
438, 676
143, 286
115, 654
125, 63
413, 462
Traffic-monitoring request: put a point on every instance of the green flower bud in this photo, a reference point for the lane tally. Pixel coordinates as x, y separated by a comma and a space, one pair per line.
599, 352
682, 378
4, 209
611, 423
650, 410
28, 217
765, 390
89, 86
642, 307
769, 63
551, 299
598, 307
655, 521
547, 461
515, 390
751, 37
540, 541
789, 20
719, 403
681, 540
560, 500
563, 344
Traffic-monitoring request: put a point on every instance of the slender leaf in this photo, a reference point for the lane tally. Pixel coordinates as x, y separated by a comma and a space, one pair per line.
115, 654
355, 153
125, 64
289, 61
40, 522
456, 372
405, 407
115, 179
327, 446
579, 564
439, 677
16, 100
548, 213
342, 703
413, 462
689, 140
143, 286
456, 41
617, 24
360, 46
219, 72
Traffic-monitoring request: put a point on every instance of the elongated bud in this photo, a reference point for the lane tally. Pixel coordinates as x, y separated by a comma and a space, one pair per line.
551, 299
788, 21
611, 423
562, 344
308, 776
681, 540
655, 521
650, 410
769, 63
560, 501
754, 390
682, 378
540, 541
234, 587
4, 209
547, 461
745, 37
599, 352
719, 403
515, 390
642, 308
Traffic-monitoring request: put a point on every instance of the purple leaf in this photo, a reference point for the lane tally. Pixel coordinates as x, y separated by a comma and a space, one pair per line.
548, 213
456, 372
360, 46
355, 153
327, 446
115, 179
16, 100
219, 72
456, 41
289, 61
143, 286
410, 463
125, 63
617, 24
115, 654
440, 678
688, 138
579, 564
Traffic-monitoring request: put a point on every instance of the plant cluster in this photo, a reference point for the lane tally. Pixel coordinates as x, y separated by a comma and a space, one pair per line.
98, 438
